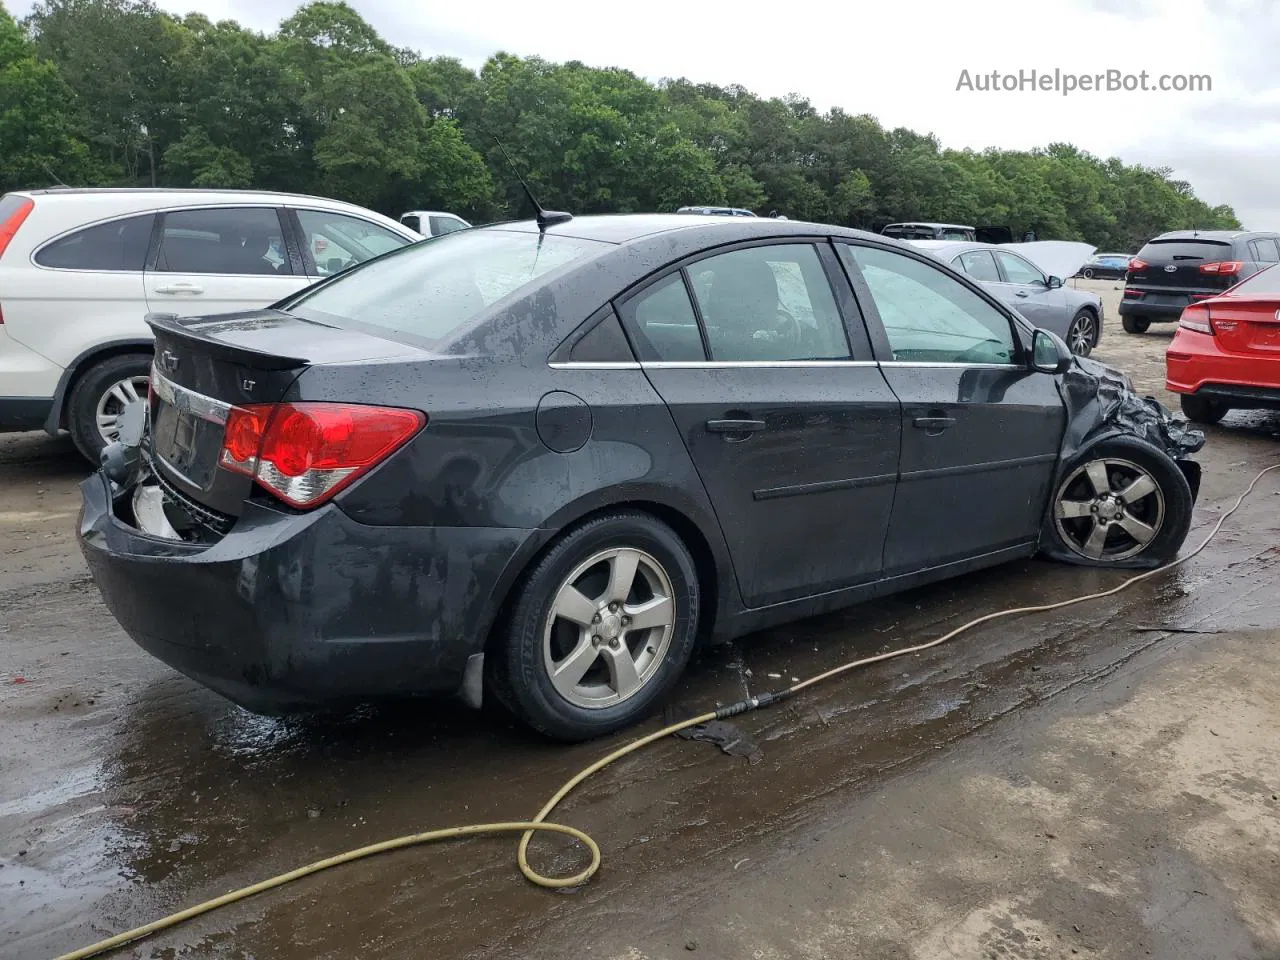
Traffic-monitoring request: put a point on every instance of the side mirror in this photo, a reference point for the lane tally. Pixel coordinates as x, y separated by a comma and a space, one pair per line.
1054, 283
1049, 354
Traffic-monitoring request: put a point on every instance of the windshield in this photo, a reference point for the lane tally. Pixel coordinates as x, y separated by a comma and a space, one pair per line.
432, 289
1265, 283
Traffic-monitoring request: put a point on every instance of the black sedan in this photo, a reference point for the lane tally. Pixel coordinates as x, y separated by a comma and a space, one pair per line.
545, 460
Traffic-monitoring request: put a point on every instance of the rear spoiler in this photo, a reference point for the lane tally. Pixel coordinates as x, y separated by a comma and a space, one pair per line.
199, 334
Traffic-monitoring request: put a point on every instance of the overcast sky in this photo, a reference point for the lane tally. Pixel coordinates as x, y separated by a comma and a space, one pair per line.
901, 61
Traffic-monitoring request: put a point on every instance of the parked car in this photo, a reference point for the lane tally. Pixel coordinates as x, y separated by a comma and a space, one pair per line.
1105, 266
546, 462
717, 211
1225, 354
923, 230
1186, 266
1036, 293
80, 269
433, 223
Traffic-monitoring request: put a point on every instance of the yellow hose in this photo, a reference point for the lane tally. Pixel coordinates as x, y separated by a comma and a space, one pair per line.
527, 828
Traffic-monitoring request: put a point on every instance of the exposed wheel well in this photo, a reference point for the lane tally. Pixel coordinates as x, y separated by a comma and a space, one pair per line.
86, 363
703, 560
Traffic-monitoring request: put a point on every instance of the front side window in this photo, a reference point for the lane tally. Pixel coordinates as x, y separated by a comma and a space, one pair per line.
980, 265
412, 221
333, 242
226, 240
928, 315
431, 290
1019, 270
118, 245
769, 303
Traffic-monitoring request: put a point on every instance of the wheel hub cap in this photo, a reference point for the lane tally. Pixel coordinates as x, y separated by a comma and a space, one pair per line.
610, 626
1109, 509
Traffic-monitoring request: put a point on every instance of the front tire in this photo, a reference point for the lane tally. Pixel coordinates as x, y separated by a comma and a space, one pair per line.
1123, 503
1088, 273
601, 628
1135, 324
1202, 409
1082, 335
99, 397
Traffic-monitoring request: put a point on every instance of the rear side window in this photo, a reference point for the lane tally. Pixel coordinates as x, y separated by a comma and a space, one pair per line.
245, 241
979, 265
117, 245
662, 322
1174, 250
431, 290
412, 222
443, 225
1264, 251
769, 304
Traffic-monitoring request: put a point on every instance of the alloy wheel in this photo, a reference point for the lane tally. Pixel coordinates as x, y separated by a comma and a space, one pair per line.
1080, 337
112, 403
1109, 509
609, 628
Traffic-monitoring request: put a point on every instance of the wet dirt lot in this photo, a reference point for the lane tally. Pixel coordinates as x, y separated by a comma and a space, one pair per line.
1099, 782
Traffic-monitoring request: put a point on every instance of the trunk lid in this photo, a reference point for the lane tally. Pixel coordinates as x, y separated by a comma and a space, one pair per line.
1171, 273
206, 365
1247, 325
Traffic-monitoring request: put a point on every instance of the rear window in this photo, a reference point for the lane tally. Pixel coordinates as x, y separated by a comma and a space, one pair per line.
434, 288
118, 245
1265, 283
1185, 250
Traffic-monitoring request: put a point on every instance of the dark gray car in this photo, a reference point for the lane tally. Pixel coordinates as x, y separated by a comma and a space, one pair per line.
1074, 315
546, 460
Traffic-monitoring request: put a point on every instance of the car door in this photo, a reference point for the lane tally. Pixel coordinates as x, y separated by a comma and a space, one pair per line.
332, 242
981, 429
788, 420
1026, 289
220, 260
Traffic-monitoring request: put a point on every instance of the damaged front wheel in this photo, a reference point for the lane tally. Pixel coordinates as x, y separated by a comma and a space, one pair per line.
1122, 504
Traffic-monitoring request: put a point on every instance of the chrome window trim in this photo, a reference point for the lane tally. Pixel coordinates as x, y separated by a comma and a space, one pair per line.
206, 408
593, 365
952, 365
762, 364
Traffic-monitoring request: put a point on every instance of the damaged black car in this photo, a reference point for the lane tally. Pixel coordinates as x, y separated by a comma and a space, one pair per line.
542, 460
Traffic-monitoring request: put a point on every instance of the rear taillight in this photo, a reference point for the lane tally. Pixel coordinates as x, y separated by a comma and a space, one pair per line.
1133, 294
1136, 264
1196, 317
304, 453
1222, 268
9, 226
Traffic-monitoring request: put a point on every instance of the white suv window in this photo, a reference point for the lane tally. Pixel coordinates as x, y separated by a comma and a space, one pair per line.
246, 241
116, 245
332, 242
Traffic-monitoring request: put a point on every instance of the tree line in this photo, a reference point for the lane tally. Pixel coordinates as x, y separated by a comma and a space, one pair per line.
118, 92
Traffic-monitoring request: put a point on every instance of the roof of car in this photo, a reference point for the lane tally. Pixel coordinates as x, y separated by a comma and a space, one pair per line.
929, 223
167, 191
1203, 234
626, 227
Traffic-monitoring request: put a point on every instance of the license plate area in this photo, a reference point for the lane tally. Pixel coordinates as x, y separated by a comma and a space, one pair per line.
187, 443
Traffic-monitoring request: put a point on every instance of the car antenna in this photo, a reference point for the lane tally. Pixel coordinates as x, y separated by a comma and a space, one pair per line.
53, 176
545, 218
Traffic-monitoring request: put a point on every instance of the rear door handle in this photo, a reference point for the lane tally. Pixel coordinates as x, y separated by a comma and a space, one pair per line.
734, 426
178, 288
933, 425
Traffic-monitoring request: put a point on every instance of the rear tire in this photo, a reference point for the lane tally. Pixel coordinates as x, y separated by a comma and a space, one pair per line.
1202, 409
576, 608
98, 398
1088, 273
1135, 324
1121, 503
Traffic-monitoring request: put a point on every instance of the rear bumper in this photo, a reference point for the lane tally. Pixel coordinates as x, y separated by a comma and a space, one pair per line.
24, 413
290, 611
1157, 312
1196, 364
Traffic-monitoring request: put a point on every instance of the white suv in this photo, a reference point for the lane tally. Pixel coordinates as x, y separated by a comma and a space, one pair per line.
80, 269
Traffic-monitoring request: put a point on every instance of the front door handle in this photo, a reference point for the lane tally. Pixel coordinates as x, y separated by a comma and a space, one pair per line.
1021, 293
179, 288
933, 425
734, 426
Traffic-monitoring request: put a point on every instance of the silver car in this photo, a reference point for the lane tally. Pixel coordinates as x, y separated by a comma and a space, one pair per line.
1028, 277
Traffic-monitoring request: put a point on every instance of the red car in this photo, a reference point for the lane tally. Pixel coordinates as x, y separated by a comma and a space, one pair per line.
1225, 354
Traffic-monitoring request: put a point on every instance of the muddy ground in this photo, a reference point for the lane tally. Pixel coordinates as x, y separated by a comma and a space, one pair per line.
1101, 782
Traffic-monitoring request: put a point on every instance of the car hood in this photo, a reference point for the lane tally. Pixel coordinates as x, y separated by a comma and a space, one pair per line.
1057, 258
